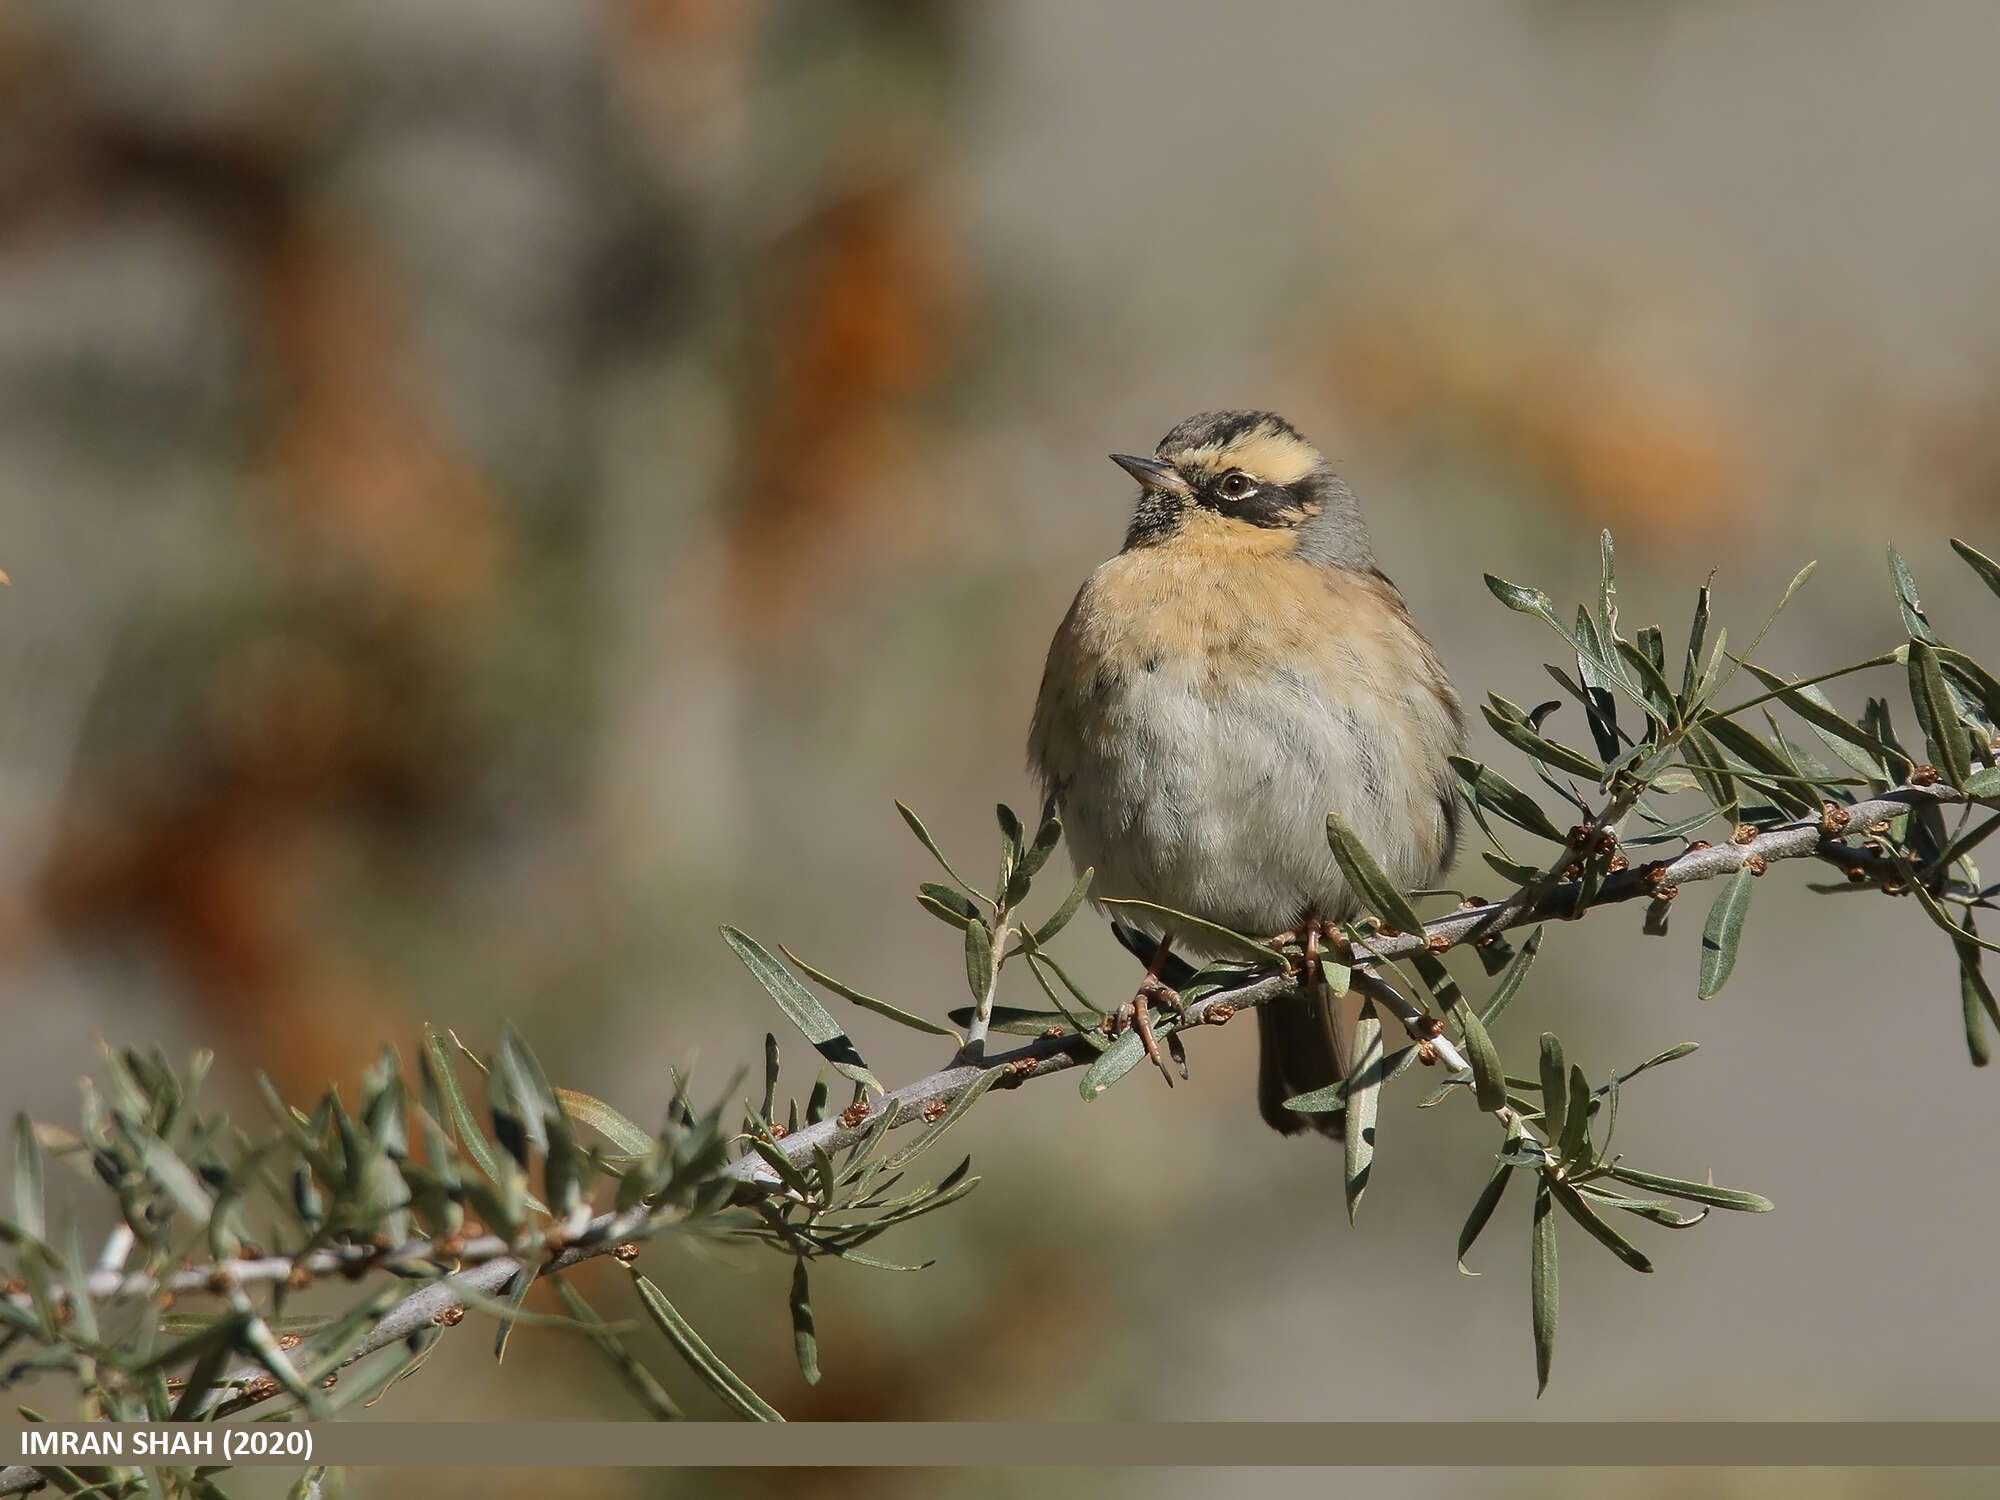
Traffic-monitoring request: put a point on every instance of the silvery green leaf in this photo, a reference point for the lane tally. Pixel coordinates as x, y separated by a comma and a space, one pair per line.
1511, 982
1046, 838
1363, 1096
1222, 936
1579, 1210
1059, 918
1366, 878
805, 1339
970, 1095
1482, 1210
1695, 1192
1853, 744
1673, 1054
805, 1012
1555, 1090
1492, 790
650, 1393
1575, 1142
867, 1002
28, 1180
1975, 995
1509, 870
1489, 1083
978, 959
1723, 931
946, 904
1518, 734
1937, 714
1645, 1208
1697, 636
1542, 1283
1987, 569
713, 1373
1914, 619
1112, 1064
623, 1133
924, 837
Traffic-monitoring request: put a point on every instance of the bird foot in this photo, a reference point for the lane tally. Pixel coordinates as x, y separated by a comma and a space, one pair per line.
1136, 1015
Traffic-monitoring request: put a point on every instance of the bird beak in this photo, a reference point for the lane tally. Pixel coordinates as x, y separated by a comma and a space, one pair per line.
1156, 477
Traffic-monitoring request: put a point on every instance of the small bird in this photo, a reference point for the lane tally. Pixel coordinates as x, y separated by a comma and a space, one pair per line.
1237, 672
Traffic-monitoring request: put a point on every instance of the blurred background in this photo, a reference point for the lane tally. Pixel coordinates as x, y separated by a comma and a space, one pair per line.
494, 490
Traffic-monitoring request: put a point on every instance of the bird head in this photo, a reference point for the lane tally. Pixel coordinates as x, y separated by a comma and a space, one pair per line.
1247, 476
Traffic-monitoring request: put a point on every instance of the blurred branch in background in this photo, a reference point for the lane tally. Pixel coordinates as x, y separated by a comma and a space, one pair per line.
357, 1201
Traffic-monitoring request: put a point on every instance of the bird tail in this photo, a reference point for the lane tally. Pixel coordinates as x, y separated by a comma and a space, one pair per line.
1297, 1054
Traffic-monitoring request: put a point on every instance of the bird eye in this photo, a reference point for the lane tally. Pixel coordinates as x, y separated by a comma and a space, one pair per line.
1236, 484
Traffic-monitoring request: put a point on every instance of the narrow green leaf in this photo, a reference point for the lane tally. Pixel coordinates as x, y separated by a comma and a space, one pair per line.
1511, 871
1222, 937
29, 1195
1542, 1283
946, 904
1772, 772
1652, 681
1364, 1091
1575, 1142
1489, 1081
1853, 744
76, 1276
1548, 752
967, 1097
1697, 636
978, 959
1492, 790
1059, 919
1555, 1095
713, 1373
1113, 1063
1009, 1020
1694, 1192
1987, 569
471, 1136
1600, 1231
1046, 838
174, 1175
1722, 932
1367, 879
1984, 785
804, 1011
517, 1293
1673, 1054
1511, 981
623, 1133
1974, 996
867, 1002
1482, 1210
1937, 714
641, 1381
1914, 619
924, 837
805, 1341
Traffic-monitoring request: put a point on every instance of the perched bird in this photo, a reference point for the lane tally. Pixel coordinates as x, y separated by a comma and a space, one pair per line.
1238, 671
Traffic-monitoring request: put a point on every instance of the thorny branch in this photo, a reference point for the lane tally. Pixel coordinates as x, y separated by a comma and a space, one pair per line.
484, 1266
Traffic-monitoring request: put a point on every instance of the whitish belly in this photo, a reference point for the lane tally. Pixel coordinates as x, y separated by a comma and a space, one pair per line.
1212, 798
